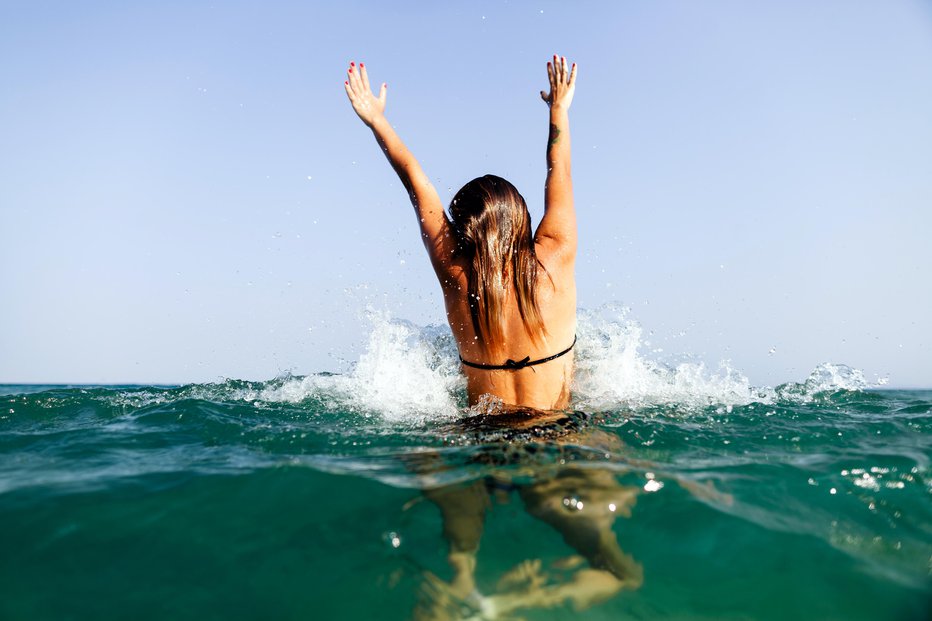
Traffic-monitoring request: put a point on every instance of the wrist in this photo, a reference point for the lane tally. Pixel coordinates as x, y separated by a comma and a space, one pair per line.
559, 111
377, 120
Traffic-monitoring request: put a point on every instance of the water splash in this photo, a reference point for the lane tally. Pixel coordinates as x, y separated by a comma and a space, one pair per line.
827, 378
409, 374
612, 373
405, 374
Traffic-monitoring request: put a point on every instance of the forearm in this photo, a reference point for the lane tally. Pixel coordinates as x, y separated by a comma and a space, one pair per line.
559, 185
424, 197
404, 163
558, 142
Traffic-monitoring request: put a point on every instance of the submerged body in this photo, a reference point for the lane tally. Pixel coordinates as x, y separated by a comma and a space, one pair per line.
198, 502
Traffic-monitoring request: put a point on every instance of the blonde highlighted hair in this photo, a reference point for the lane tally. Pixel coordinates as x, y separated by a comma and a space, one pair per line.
492, 228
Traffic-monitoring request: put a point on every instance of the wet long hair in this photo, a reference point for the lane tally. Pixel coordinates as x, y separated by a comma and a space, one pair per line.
492, 229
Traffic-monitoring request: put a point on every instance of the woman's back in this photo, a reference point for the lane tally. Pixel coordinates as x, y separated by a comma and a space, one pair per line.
544, 386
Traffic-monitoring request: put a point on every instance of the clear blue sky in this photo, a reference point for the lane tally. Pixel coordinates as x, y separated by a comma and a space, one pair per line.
185, 193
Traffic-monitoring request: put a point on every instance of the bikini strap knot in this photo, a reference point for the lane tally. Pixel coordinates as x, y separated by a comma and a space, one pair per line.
517, 365
512, 365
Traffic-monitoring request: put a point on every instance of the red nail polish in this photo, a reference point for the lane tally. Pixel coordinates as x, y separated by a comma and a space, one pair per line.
362, 64
347, 83
352, 64
351, 70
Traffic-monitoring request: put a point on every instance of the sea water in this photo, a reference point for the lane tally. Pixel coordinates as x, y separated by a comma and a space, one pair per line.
304, 497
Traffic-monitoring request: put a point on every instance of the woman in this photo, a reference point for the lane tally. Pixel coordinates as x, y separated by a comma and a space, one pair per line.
510, 297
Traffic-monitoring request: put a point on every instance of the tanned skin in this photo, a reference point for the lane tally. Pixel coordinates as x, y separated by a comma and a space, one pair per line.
545, 386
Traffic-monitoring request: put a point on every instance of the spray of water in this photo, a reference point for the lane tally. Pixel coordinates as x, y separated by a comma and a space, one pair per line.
410, 374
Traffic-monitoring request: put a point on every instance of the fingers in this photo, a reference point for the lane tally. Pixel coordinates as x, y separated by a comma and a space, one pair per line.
357, 83
562, 77
382, 92
349, 77
351, 91
560, 72
354, 73
364, 76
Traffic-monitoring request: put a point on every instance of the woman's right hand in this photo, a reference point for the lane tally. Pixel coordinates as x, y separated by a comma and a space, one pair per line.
562, 83
367, 106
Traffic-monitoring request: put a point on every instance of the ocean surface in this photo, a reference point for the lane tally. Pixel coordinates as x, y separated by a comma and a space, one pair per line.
337, 496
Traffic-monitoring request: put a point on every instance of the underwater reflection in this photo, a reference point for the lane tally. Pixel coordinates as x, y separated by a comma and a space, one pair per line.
576, 497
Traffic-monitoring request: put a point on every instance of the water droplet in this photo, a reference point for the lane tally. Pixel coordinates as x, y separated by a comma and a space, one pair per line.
652, 486
393, 539
571, 502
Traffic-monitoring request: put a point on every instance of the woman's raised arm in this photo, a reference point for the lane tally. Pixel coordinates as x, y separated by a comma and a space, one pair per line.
426, 201
557, 228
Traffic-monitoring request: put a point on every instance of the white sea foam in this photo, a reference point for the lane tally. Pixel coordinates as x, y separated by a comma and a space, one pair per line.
409, 373
406, 370
827, 377
406, 373
612, 373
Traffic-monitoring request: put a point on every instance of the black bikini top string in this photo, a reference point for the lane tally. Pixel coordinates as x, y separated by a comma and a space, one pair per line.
515, 365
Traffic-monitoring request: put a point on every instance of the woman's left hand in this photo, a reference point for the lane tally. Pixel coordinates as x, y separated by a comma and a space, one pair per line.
367, 106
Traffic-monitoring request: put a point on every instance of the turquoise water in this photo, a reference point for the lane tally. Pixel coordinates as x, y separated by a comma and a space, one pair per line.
303, 497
